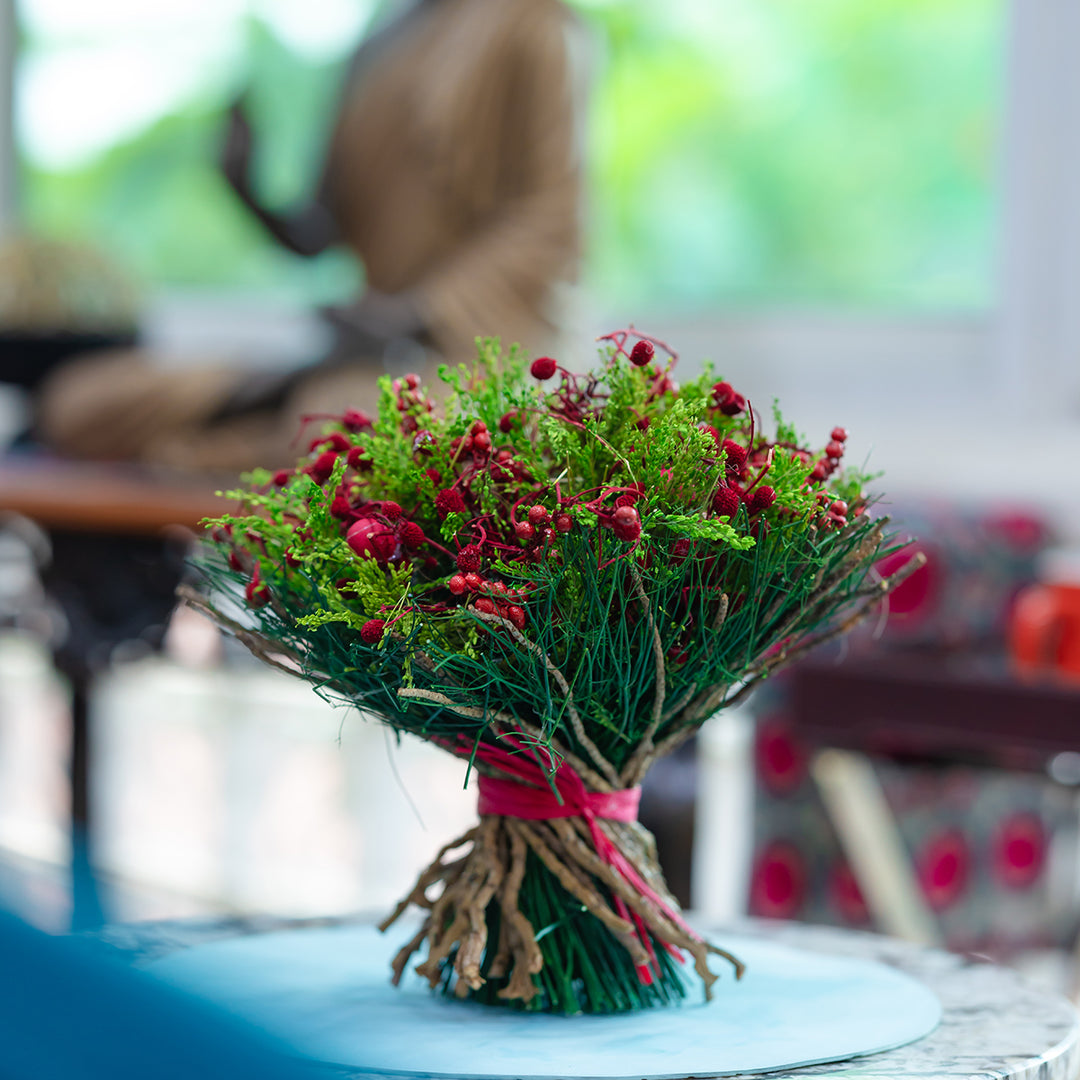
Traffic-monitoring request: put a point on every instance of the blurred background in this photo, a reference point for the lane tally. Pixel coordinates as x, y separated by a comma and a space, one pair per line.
866, 210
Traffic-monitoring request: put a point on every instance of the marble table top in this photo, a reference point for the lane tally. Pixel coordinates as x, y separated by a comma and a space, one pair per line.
995, 1025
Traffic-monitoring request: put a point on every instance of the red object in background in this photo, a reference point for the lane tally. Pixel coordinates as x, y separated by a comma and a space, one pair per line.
944, 866
915, 599
1044, 634
846, 896
1020, 850
778, 888
781, 757
1017, 529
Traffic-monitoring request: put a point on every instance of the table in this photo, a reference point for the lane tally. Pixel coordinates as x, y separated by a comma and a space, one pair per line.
119, 536
994, 1026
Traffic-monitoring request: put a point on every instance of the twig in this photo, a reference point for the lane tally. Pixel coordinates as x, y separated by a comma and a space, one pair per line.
512, 726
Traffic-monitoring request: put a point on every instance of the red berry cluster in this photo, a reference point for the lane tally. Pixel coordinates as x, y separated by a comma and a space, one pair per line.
506, 515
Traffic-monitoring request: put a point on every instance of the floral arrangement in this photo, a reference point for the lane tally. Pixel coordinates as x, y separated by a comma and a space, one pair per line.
559, 578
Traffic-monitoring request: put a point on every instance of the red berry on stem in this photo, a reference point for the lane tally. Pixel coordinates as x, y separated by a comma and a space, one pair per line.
839, 434
484, 605
642, 353
516, 615
457, 584
524, 531
370, 538
482, 442
839, 508
355, 420
734, 405
736, 456
372, 631
508, 420
449, 501
538, 514
469, 558
473, 582
391, 510
726, 502
626, 523
821, 470
543, 367
834, 449
564, 523
281, 477
411, 534
321, 468
762, 498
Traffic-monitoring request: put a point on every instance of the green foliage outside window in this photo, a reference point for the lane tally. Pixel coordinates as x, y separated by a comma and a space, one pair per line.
793, 153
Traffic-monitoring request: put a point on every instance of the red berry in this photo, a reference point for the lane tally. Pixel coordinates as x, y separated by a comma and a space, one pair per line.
734, 405
281, 477
321, 468
736, 456
543, 367
355, 420
482, 442
524, 531
626, 523
372, 631
390, 510
821, 470
473, 582
257, 592
478, 426
411, 534
839, 434
839, 508
762, 498
564, 523
537, 515
834, 449
356, 458
516, 615
457, 584
726, 502
412, 382
642, 353
469, 559
370, 538
722, 391
449, 501
508, 420
496, 588
433, 475
484, 605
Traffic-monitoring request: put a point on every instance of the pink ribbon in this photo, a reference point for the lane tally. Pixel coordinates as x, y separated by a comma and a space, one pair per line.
526, 792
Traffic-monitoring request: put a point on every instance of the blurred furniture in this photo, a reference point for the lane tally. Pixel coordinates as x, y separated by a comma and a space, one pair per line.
994, 1023
903, 776
118, 538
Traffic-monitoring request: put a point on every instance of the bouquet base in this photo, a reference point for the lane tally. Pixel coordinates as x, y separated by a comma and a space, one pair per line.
325, 992
527, 914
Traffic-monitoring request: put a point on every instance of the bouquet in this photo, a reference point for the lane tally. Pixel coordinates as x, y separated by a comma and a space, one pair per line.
558, 578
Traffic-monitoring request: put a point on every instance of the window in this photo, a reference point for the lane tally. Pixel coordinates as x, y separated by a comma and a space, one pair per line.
793, 153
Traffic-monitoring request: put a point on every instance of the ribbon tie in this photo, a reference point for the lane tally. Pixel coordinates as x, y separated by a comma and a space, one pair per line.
526, 791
